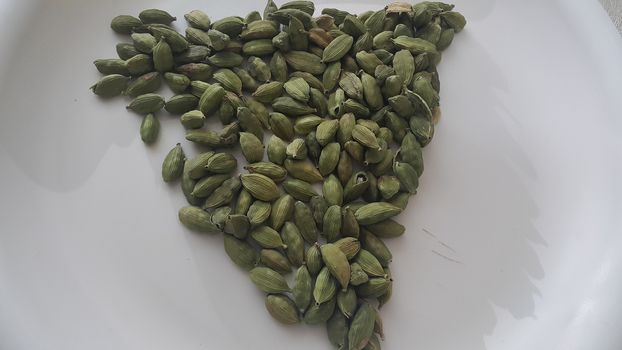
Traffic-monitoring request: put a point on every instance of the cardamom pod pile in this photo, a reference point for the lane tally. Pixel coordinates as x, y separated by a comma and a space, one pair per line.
349, 100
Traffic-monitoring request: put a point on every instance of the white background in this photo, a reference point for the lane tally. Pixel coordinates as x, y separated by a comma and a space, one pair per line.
512, 243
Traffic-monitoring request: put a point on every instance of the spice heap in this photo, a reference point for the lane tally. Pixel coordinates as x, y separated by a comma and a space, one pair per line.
350, 101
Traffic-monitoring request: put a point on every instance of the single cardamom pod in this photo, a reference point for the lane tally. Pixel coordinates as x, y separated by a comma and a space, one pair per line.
375, 22
243, 203
177, 82
282, 309
211, 98
110, 85
259, 29
173, 164
376, 212
384, 298
198, 19
126, 51
291, 107
259, 212
139, 64
281, 126
197, 219
304, 6
271, 170
347, 302
332, 223
196, 165
350, 246
125, 24
260, 186
298, 89
305, 223
376, 247
300, 190
325, 286
303, 170
407, 176
221, 163
306, 124
375, 287
365, 137
388, 186
297, 35
337, 263
259, 47
386, 229
353, 106
402, 29
268, 280
225, 59
364, 42
282, 210
240, 252
266, 237
319, 206
251, 146
362, 326
146, 83
319, 37
275, 260
192, 119
151, 16
112, 66
180, 104
372, 92
295, 243
144, 42
207, 185
369, 263
305, 61
357, 275
320, 313
149, 129
282, 42
197, 72
337, 48
238, 225
332, 190
337, 329
326, 131
344, 167
368, 61
329, 157
349, 227
356, 186
218, 39
351, 85
276, 150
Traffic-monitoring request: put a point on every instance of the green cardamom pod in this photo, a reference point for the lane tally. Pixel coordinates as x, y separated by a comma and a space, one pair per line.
112, 66
266, 237
197, 219
386, 229
407, 175
356, 186
238, 225
306, 124
276, 150
275, 260
337, 48
297, 149
125, 51
298, 89
147, 103
303, 170
368, 61
326, 131
198, 19
388, 186
325, 286
125, 24
344, 167
337, 329
282, 210
271, 170
351, 85
240, 252
282, 309
196, 165
364, 42
337, 263
173, 164
180, 104
192, 119
347, 302
303, 289
197, 72
149, 129
305, 61
151, 16
329, 157
303, 218
365, 137
383, 41
369, 263
332, 190
224, 194
375, 287
350, 246
375, 212
361, 327
295, 243
281, 126
349, 227
260, 186
146, 83
371, 92
259, 212
357, 275
402, 29
110, 85
320, 313
332, 223
260, 29
268, 280
376, 247
251, 146
300, 190
221, 163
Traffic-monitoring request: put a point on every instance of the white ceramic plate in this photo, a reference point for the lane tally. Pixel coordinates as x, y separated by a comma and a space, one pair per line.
513, 241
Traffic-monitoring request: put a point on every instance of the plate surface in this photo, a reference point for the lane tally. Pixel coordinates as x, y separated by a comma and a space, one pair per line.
512, 243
